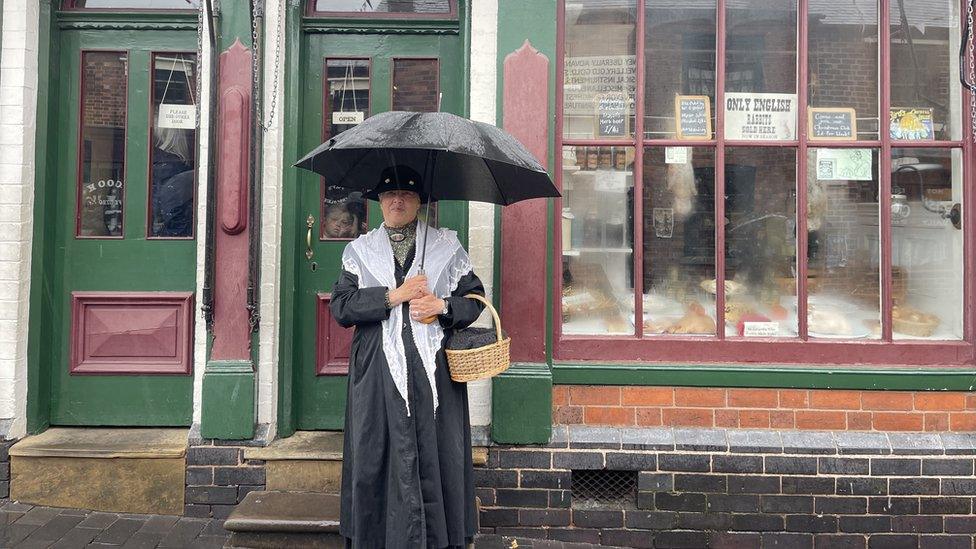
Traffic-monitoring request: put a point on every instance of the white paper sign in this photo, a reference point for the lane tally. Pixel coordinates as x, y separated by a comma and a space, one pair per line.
759, 116
180, 117
760, 329
675, 155
844, 164
347, 117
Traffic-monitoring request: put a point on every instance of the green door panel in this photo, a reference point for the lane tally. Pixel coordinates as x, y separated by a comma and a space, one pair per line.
130, 264
320, 400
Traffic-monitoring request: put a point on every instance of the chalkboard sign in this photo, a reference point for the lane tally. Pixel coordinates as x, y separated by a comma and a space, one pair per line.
612, 115
832, 124
693, 117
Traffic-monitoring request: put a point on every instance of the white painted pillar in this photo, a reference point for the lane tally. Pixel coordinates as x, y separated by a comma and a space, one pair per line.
481, 217
271, 186
18, 109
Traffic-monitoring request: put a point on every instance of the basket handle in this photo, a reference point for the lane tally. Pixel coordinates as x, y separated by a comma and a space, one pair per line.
494, 313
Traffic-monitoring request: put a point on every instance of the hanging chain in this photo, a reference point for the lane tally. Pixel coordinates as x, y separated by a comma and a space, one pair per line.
257, 10
201, 20
972, 67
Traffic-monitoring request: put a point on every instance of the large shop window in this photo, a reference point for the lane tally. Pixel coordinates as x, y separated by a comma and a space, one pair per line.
131, 4
834, 233
385, 8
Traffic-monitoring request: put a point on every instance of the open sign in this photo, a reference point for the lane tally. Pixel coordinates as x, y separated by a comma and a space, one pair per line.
347, 117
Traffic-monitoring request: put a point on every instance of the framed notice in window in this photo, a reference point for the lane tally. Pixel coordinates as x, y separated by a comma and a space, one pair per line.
693, 117
830, 124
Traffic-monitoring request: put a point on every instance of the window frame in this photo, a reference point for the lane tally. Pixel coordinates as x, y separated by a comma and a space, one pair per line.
801, 349
451, 15
80, 142
150, 149
326, 122
71, 5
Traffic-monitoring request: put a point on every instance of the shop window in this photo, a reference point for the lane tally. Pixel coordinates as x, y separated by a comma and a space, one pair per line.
101, 192
132, 4
172, 177
834, 228
346, 90
388, 8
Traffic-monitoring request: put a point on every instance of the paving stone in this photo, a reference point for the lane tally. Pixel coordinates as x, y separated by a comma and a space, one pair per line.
56, 527
214, 528
39, 515
99, 520
120, 531
158, 524
16, 507
16, 533
143, 541
7, 518
759, 442
208, 542
76, 538
183, 531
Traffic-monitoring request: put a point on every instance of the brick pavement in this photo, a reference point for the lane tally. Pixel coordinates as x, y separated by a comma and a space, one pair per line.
24, 526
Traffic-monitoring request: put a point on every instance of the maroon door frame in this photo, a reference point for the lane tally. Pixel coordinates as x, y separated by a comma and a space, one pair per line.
799, 350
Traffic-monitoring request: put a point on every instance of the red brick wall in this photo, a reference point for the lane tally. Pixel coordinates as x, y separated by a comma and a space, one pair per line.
764, 408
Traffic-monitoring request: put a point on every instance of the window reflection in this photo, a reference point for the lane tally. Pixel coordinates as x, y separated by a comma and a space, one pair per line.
843, 59
679, 60
927, 249
416, 85
924, 71
843, 273
103, 115
679, 240
600, 69
597, 240
135, 4
384, 6
172, 176
760, 239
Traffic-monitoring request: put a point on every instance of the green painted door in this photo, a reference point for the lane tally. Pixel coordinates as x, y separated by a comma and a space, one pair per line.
125, 228
346, 78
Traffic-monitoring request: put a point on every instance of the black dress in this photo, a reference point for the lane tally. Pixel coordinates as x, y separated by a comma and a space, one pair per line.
407, 481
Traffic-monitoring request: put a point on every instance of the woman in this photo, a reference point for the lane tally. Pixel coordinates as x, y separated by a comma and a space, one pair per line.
407, 477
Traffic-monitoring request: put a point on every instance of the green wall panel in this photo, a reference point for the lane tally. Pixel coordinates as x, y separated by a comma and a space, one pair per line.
521, 405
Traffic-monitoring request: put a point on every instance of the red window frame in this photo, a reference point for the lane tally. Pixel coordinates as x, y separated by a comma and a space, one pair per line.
788, 351
447, 15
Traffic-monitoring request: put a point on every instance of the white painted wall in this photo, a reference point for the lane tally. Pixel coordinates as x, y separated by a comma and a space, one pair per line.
203, 167
271, 179
18, 108
481, 217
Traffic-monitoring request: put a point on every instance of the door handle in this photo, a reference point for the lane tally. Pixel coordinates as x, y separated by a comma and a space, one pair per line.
309, 222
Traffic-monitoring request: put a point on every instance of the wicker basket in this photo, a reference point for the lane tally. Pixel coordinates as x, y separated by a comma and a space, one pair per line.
481, 362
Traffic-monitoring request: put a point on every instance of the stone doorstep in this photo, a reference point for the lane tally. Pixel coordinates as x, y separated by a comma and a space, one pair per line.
287, 512
128, 470
321, 446
90, 442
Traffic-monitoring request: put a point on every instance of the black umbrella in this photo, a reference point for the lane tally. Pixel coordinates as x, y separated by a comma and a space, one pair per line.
459, 159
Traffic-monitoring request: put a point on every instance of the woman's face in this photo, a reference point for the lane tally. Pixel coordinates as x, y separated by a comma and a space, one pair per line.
399, 207
340, 224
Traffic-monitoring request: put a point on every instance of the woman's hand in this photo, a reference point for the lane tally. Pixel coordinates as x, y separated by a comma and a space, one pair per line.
412, 288
426, 307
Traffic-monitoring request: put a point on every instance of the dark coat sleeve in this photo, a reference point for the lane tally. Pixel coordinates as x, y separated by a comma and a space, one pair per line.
463, 311
352, 305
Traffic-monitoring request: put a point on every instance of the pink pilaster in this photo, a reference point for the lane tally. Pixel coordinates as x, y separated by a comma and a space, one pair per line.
231, 329
523, 246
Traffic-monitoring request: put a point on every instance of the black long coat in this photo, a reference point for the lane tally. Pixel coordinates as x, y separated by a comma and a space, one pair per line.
407, 481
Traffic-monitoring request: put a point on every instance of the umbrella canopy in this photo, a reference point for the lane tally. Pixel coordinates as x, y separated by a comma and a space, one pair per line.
459, 159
